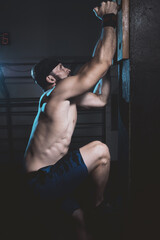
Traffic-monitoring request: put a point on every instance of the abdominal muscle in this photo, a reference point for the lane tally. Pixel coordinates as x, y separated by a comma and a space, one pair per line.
50, 138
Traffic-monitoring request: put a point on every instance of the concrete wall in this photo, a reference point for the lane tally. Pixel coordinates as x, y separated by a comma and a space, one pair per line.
48, 28
145, 114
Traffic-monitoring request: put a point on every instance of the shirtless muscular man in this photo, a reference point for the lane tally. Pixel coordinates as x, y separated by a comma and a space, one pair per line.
47, 152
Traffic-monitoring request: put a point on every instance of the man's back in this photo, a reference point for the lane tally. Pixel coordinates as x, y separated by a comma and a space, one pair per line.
51, 133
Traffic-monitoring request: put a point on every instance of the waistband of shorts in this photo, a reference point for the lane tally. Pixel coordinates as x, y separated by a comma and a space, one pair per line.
31, 175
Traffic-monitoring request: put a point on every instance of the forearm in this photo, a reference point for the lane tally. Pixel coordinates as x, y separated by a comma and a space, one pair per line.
96, 48
102, 88
106, 47
104, 51
105, 90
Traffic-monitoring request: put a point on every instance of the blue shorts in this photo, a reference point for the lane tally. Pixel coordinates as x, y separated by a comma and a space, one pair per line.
57, 182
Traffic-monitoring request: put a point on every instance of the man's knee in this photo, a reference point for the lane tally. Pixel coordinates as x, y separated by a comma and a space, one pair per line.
94, 154
102, 152
78, 217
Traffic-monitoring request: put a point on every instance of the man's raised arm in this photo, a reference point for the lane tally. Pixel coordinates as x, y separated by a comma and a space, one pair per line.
97, 67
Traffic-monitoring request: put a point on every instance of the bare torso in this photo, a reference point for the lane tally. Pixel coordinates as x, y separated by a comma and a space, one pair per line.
51, 134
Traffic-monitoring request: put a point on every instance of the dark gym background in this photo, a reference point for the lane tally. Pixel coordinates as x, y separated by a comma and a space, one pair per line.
68, 31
